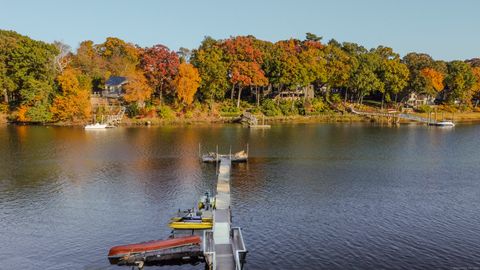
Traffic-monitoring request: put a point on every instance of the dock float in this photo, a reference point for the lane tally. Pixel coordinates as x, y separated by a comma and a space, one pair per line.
224, 248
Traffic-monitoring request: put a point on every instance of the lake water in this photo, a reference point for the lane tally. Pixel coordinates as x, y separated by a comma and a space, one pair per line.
312, 196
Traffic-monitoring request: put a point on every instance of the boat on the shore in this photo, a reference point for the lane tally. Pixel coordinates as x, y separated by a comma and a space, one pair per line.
96, 126
167, 249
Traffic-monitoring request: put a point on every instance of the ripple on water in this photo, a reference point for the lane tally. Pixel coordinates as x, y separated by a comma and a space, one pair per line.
311, 197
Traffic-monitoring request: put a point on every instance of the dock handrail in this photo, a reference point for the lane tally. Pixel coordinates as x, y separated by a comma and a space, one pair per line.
209, 248
238, 246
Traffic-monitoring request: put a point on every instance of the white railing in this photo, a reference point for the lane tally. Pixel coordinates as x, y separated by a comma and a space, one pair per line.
209, 249
238, 246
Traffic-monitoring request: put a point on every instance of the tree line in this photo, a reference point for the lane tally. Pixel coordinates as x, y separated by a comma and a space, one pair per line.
42, 82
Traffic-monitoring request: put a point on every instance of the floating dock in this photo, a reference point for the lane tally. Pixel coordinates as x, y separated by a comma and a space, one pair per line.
224, 248
221, 247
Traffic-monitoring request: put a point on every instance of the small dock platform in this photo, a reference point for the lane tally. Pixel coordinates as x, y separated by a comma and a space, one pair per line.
252, 121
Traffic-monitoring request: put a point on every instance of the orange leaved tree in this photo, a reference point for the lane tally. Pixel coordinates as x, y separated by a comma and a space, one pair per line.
186, 83
433, 81
247, 74
137, 89
73, 103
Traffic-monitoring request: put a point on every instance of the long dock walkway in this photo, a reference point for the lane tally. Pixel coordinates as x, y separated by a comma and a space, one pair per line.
225, 249
397, 116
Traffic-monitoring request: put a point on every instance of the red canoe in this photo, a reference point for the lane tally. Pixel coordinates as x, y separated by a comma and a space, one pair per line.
126, 250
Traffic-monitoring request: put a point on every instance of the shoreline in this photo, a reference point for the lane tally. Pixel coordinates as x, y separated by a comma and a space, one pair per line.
470, 117
324, 118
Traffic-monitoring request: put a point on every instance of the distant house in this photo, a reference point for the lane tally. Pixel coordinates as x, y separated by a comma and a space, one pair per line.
414, 100
114, 87
301, 92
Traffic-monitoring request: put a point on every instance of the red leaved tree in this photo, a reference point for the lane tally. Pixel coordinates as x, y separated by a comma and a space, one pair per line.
160, 66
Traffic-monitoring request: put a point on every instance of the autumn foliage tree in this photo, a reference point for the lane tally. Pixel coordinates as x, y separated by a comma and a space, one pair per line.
210, 60
247, 74
73, 102
120, 57
137, 89
476, 86
186, 83
160, 66
433, 81
244, 59
460, 82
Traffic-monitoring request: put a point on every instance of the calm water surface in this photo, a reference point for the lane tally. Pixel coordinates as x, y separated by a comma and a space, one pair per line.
313, 196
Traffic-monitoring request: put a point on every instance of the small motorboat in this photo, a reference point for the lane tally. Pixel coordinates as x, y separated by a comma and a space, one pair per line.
443, 124
190, 225
96, 126
156, 248
191, 222
203, 219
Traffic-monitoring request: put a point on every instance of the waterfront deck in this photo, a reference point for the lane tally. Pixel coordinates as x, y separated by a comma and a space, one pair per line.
253, 122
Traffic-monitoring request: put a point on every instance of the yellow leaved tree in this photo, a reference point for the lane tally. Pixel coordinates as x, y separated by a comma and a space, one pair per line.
186, 83
137, 88
434, 80
73, 103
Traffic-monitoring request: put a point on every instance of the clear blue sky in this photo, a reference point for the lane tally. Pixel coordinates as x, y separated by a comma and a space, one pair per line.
445, 29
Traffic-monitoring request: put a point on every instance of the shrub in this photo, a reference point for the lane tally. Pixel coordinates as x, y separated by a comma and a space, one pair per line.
4, 108
255, 110
229, 107
301, 106
269, 108
132, 110
318, 105
165, 112
424, 109
336, 98
189, 115
288, 107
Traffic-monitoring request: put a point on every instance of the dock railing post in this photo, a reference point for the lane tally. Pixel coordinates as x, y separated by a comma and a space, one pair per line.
216, 160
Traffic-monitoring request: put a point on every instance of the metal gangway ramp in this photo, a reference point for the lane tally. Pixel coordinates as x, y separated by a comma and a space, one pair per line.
224, 247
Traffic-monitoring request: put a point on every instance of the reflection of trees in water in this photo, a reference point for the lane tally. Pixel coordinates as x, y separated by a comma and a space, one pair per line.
248, 179
28, 169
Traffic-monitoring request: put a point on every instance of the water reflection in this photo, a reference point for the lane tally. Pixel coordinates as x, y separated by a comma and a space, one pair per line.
336, 196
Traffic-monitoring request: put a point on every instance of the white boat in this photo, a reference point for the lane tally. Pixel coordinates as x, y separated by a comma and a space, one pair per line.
96, 126
444, 124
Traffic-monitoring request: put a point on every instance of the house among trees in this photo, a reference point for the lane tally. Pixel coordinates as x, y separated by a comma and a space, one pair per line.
415, 100
299, 93
114, 87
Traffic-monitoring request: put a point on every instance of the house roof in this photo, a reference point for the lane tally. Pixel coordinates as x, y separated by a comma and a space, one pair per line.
116, 80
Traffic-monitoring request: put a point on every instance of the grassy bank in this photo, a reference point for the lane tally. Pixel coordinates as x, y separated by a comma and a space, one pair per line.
3, 119
321, 118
